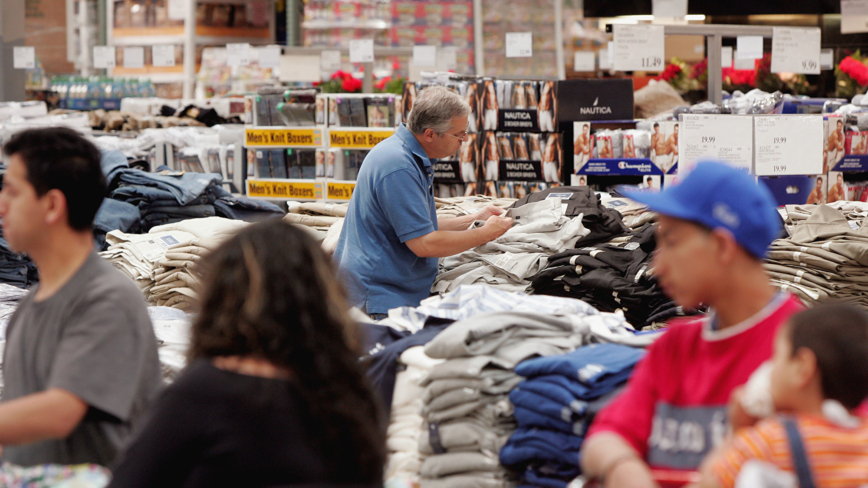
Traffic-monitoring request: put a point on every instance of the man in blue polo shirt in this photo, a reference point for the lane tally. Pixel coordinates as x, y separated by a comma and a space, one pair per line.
391, 238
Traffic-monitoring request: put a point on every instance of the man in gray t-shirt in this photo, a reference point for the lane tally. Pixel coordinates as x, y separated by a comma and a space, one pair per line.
80, 364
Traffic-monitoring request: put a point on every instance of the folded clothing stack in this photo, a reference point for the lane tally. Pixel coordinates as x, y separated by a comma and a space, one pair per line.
172, 328
466, 407
461, 206
16, 269
612, 276
162, 261
556, 403
405, 420
540, 229
323, 220
633, 214
826, 255
169, 196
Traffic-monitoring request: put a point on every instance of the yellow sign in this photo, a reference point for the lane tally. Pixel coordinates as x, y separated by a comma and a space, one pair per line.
293, 190
339, 191
283, 137
358, 138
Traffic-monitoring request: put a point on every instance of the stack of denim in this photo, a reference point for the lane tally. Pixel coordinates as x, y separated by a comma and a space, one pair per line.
556, 404
166, 196
16, 269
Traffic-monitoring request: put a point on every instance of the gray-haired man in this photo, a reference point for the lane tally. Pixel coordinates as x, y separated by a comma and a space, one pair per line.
392, 236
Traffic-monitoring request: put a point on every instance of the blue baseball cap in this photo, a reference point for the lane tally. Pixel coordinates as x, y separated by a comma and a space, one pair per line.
717, 195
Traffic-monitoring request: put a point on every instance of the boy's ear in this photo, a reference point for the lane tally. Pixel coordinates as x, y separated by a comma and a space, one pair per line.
806, 369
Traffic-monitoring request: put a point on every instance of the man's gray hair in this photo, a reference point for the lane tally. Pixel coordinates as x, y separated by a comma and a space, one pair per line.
435, 108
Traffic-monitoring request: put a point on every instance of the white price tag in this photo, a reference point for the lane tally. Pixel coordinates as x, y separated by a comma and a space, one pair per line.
178, 9
103, 57
742, 63
788, 145
269, 57
330, 60
727, 138
164, 56
447, 58
584, 61
24, 57
725, 57
425, 56
854, 16
519, 44
796, 50
362, 51
827, 59
669, 8
134, 57
639, 47
605, 61
238, 54
749, 47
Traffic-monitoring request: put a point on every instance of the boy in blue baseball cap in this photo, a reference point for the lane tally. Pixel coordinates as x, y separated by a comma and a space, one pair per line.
713, 232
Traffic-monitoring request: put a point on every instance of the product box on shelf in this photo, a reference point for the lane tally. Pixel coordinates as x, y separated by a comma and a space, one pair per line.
616, 148
834, 141
463, 167
521, 156
353, 110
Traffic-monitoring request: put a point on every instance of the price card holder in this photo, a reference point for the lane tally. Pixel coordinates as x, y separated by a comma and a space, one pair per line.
796, 50
264, 137
584, 61
238, 54
330, 60
425, 56
164, 56
749, 47
362, 51
827, 59
103, 57
639, 47
358, 138
669, 8
727, 138
726, 57
24, 57
519, 44
854, 16
285, 189
134, 57
269, 57
178, 9
788, 145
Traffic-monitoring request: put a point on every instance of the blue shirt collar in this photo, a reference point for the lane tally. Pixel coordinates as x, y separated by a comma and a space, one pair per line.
413, 144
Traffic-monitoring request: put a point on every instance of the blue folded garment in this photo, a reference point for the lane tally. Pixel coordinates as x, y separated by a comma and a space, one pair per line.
527, 445
528, 418
580, 391
590, 365
542, 405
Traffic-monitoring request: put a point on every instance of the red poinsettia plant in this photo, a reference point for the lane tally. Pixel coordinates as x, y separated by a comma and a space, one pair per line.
675, 74
342, 82
851, 76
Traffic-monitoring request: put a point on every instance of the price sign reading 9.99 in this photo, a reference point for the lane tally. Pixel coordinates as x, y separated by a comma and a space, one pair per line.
796, 50
639, 47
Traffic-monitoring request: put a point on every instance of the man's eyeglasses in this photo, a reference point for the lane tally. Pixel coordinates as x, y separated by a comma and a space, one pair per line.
460, 136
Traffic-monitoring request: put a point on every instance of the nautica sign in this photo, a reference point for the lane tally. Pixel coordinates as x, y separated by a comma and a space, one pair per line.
595, 109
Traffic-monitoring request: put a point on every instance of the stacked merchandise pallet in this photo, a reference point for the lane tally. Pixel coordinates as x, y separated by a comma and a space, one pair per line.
512, 146
306, 146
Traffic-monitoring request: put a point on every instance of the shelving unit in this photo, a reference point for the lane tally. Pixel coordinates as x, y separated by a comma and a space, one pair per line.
269, 138
350, 138
189, 34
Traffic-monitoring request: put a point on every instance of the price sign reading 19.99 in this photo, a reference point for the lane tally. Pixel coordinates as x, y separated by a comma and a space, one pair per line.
788, 145
639, 47
796, 50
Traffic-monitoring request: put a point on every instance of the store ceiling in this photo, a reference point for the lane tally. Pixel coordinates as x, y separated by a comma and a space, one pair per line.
608, 8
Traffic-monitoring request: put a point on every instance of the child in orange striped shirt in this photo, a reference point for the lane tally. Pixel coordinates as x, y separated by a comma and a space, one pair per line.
821, 354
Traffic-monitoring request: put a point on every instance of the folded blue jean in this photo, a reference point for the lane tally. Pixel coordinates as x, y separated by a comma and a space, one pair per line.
246, 209
528, 418
112, 162
590, 365
578, 390
529, 444
185, 187
542, 405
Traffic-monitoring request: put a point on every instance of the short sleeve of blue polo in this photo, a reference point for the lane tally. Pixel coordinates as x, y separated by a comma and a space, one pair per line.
393, 202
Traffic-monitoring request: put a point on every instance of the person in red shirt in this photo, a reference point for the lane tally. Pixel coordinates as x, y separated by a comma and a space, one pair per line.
714, 229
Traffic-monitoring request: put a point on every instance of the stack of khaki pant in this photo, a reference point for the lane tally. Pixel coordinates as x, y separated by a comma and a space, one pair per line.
826, 255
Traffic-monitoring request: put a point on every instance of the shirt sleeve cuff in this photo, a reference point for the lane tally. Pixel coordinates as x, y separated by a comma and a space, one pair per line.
417, 233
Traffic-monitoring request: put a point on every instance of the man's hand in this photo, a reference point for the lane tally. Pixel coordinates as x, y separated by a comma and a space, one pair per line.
497, 225
487, 212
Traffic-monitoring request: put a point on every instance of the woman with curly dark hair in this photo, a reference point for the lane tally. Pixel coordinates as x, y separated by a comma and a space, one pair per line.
274, 393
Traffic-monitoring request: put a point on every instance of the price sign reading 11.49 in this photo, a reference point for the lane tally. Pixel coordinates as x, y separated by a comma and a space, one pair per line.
639, 47
788, 145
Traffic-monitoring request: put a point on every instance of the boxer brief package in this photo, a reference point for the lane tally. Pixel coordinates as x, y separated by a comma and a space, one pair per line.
263, 163
278, 163
306, 163
379, 112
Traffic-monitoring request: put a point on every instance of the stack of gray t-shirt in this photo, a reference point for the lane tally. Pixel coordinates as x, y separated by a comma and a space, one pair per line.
826, 254
540, 230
